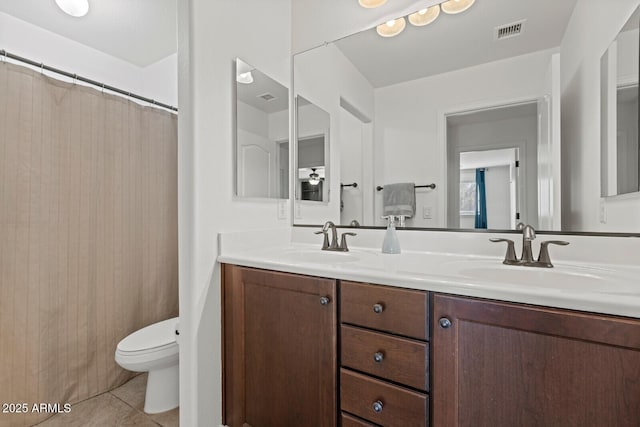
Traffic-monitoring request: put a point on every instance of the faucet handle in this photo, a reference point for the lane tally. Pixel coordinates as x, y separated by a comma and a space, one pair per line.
325, 243
543, 258
343, 241
510, 256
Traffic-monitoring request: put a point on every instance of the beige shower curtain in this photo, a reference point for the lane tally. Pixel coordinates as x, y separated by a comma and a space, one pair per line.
88, 236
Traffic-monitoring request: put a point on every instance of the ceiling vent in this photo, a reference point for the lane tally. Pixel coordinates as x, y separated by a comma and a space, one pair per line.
509, 30
267, 97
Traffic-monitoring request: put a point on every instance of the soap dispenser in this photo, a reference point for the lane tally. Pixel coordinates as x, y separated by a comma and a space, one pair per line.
391, 244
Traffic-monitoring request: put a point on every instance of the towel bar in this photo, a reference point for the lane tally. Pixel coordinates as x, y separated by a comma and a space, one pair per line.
431, 186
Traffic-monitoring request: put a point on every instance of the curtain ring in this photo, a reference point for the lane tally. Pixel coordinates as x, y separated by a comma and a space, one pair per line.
102, 87
42, 68
75, 79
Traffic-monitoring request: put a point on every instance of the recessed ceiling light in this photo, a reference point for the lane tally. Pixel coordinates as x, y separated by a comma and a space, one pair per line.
391, 28
425, 16
456, 6
370, 4
75, 8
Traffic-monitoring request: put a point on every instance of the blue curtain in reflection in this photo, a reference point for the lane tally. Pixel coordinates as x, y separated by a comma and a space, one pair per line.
481, 200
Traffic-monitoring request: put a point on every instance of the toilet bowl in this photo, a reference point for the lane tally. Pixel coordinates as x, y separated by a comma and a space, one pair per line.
154, 349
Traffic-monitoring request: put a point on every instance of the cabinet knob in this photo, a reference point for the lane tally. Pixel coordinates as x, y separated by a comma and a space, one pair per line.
378, 357
378, 406
444, 323
378, 308
324, 300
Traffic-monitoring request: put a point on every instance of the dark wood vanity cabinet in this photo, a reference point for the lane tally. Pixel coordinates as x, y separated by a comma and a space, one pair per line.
407, 361
502, 364
279, 354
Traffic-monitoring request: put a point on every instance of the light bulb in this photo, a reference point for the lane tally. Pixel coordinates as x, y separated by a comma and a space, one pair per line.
391, 28
424, 16
245, 78
75, 8
456, 6
370, 4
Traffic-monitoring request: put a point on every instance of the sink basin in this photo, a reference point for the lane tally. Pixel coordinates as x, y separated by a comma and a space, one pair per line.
565, 277
318, 256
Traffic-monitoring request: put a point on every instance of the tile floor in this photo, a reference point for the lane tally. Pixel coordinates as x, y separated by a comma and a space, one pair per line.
119, 407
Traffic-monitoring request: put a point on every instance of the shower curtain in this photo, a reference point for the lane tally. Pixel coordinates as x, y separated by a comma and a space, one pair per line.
88, 236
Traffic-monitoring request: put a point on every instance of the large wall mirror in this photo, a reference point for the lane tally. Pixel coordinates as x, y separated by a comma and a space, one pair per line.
466, 109
620, 158
262, 134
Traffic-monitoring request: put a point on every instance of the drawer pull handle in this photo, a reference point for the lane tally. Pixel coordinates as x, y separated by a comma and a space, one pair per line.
444, 323
324, 300
378, 406
378, 308
378, 357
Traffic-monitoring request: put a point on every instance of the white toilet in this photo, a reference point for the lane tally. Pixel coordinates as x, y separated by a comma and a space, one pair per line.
154, 349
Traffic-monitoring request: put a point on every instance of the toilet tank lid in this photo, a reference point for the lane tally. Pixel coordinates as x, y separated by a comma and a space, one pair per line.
156, 335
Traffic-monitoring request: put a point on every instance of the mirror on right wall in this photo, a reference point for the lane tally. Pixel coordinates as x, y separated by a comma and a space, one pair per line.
490, 115
620, 160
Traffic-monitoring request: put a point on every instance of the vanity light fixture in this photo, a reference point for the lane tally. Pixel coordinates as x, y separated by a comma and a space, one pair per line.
424, 16
456, 6
370, 4
314, 178
76, 8
391, 28
245, 78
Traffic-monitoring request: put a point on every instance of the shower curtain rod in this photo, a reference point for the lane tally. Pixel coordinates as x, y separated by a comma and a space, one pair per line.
4, 54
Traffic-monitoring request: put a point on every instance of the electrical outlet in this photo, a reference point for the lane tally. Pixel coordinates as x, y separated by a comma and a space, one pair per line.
282, 209
603, 211
427, 212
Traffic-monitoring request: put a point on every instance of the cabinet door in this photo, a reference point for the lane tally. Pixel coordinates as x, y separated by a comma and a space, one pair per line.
279, 349
499, 364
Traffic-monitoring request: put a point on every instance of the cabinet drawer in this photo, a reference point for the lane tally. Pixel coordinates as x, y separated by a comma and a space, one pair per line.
350, 421
397, 359
399, 406
400, 311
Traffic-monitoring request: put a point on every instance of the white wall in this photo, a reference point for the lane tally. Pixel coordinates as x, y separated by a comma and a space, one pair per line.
158, 81
323, 76
409, 122
211, 35
593, 26
351, 160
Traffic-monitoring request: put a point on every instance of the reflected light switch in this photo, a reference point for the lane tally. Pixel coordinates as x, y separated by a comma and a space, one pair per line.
603, 211
282, 209
427, 212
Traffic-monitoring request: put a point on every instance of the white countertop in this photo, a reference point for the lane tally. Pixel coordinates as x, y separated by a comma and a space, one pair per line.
587, 286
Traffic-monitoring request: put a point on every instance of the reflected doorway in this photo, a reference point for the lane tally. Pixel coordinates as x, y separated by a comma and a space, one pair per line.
489, 189
492, 167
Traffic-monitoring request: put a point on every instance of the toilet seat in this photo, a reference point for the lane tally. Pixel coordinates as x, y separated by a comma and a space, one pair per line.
156, 337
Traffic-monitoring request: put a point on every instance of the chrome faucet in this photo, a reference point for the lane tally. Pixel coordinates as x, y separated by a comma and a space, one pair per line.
526, 260
528, 236
332, 245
